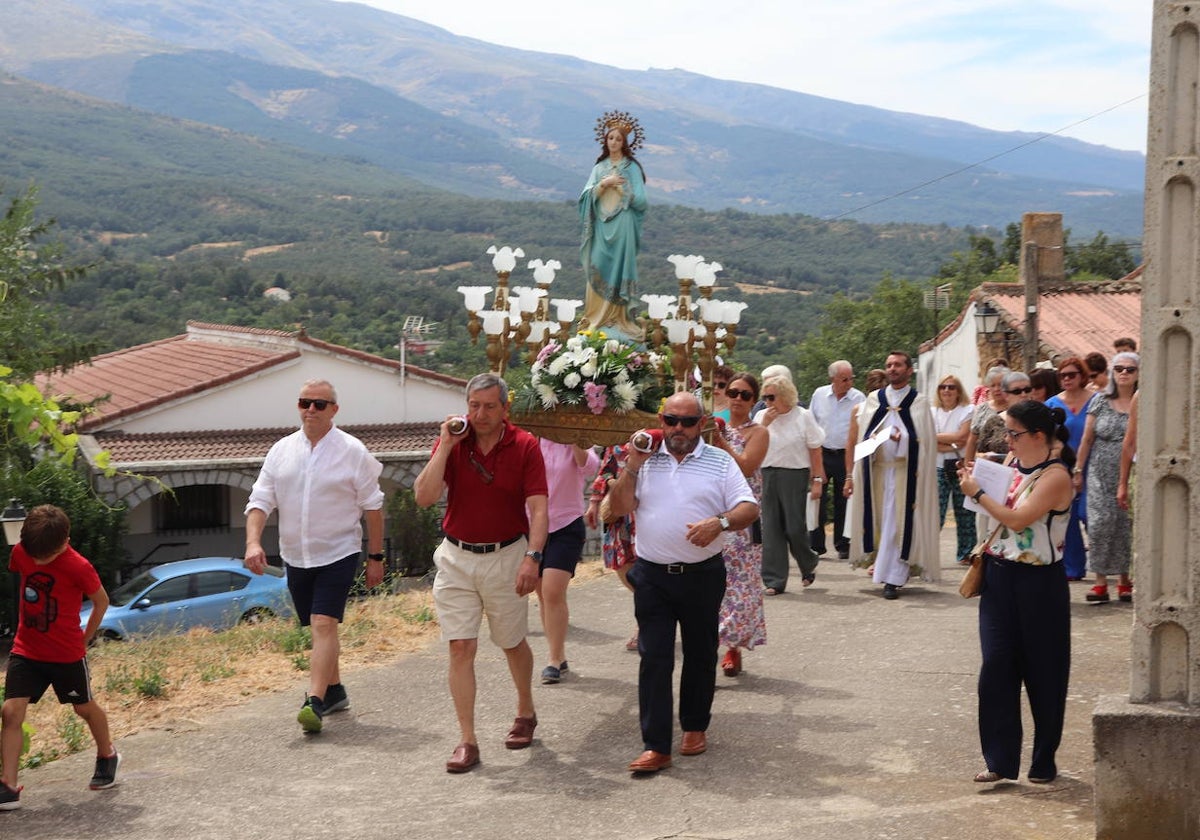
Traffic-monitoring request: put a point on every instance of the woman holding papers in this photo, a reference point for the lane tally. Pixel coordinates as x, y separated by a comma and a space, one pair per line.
1024, 611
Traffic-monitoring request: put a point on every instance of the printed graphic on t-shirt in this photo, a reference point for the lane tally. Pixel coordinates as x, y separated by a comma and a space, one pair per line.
41, 607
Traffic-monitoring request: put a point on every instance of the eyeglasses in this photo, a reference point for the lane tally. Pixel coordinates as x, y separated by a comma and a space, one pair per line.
947, 387
319, 405
739, 394
1069, 374
1026, 390
1124, 369
1012, 434
481, 469
769, 397
675, 420
720, 386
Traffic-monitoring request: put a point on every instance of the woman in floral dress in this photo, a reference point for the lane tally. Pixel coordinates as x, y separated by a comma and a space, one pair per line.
743, 622
617, 536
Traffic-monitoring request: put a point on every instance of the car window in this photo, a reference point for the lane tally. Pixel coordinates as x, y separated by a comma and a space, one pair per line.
215, 583
126, 592
175, 589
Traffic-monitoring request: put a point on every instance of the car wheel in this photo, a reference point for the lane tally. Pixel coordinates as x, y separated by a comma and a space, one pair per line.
110, 635
257, 615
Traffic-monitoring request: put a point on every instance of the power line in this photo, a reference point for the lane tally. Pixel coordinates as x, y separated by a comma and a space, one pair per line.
970, 166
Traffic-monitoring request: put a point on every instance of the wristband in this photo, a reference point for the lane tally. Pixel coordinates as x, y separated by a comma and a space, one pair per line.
977, 494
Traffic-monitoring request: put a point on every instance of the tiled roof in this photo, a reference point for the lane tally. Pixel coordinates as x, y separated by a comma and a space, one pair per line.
1073, 318
132, 451
207, 356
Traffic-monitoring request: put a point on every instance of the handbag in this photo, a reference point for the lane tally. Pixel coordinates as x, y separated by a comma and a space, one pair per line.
972, 582
606, 514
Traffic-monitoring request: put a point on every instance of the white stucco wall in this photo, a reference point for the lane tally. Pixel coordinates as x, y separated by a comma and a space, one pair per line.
956, 355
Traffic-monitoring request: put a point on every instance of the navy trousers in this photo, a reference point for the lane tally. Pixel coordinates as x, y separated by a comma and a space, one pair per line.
834, 461
1025, 635
661, 600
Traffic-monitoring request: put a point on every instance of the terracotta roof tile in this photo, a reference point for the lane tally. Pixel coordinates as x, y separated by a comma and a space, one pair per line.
140, 378
130, 450
1074, 318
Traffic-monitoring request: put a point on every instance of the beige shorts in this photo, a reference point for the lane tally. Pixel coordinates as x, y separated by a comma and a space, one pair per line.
469, 586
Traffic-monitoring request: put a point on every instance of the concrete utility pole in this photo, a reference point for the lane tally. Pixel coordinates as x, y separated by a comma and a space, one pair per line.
1041, 264
1148, 745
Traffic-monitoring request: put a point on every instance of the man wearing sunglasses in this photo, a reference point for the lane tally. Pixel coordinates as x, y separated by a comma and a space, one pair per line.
896, 485
831, 407
687, 494
495, 525
324, 483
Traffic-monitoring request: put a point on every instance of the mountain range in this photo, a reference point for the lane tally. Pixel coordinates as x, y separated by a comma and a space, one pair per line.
349, 81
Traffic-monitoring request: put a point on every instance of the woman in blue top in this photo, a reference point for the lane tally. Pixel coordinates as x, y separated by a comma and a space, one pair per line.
611, 208
1073, 400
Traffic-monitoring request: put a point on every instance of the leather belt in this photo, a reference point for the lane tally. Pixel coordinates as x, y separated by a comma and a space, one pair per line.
482, 548
680, 568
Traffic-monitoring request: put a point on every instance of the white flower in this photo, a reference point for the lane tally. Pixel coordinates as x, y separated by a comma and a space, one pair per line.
625, 394
546, 396
612, 346
559, 364
622, 377
588, 370
572, 380
575, 342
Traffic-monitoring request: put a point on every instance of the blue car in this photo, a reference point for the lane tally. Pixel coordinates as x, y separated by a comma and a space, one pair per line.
213, 592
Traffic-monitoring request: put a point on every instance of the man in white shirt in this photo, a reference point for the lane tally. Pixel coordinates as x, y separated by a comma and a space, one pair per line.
324, 482
687, 494
831, 406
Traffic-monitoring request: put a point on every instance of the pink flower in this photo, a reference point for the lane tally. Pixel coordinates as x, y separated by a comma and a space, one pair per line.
549, 350
596, 399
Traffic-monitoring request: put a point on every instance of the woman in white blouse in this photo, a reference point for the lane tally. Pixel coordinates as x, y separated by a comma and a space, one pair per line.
952, 420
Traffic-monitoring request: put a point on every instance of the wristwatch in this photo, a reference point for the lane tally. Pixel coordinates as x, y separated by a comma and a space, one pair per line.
375, 556
818, 479
536, 555
977, 494
724, 520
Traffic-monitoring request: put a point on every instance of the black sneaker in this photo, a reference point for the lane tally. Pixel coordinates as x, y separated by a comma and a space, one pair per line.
10, 798
890, 592
551, 675
310, 715
336, 699
106, 772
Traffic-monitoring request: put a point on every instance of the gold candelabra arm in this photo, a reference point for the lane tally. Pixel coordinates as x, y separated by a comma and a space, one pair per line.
564, 331
708, 361
685, 300
474, 326
679, 365
501, 299
496, 355
730, 338
656, 336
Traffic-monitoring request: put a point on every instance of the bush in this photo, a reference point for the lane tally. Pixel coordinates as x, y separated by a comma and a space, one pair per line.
415, 532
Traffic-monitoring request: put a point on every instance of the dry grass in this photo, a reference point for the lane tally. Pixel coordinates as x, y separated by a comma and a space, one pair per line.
169, 682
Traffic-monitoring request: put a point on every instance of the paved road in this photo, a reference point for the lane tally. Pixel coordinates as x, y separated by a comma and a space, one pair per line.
855, 721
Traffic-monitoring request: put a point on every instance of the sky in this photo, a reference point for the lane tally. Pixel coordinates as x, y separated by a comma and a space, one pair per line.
1017, 65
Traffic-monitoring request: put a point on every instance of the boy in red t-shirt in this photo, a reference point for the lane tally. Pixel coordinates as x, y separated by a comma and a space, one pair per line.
50, 648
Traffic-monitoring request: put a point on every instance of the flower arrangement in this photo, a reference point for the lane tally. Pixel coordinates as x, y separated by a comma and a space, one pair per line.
594, 370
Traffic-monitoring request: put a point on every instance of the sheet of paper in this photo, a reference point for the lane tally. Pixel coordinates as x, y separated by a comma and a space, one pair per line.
994, 479
868, 445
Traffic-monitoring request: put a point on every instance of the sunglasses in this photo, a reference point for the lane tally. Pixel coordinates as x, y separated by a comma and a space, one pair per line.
1069, 374
738, 394
1124, 369
769, 397
947, 387
1026, 390
483, 471
675, 420
320, 405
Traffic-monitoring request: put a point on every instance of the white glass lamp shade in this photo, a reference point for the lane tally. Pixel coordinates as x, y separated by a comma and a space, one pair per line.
706, 274
566, 308
505, 259
538, 330
711, 310
733, 311
658, 306
494, 321
528, 297
543, 272
685, 267
473, 296
678, 332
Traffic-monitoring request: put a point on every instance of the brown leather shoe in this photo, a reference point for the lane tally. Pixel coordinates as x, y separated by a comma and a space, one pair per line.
464, 757
650, 762
693, 743
521, 734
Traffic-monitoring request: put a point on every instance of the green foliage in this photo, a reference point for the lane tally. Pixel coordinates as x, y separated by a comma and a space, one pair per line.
72, 731
1098, 259
295, 639
414, 531
147, 680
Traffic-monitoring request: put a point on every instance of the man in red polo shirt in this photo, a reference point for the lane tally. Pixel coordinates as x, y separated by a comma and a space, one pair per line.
488, 561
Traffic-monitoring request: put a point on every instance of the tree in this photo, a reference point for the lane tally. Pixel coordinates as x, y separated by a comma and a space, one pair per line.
30, 339
1098, 259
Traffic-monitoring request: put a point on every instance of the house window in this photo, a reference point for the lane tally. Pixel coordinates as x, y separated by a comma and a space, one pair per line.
197, 507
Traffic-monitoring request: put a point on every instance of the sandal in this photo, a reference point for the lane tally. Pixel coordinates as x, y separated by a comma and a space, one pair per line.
632, 644
987, 777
